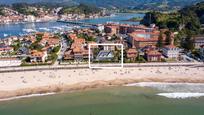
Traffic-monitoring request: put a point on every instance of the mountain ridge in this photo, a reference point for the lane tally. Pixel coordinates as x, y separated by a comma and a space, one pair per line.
113, 3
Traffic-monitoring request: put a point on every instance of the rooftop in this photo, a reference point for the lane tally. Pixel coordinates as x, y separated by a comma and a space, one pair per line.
36, 53
145, 36
153, 52
132, 50
105, 55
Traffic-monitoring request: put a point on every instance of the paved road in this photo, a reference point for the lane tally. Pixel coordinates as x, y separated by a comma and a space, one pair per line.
63, 48
85, 66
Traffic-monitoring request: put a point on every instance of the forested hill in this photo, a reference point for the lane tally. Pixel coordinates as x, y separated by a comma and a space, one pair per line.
140, 3
187, 22
190, 16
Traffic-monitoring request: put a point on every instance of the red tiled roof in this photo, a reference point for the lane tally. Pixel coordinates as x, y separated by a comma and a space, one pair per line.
153, 52
131, 50
79, 41
36, 53
131, 53
8, 58
153, 36
73, 36
77, 50
6, 48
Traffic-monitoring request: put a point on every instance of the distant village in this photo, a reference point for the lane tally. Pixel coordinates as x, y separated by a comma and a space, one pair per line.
141, 44
44, 15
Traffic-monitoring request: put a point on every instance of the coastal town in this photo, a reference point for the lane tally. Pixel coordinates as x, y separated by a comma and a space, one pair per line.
101, 57
140, 45
25, 13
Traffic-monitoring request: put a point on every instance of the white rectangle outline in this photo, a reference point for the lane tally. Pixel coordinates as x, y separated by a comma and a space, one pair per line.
105, 45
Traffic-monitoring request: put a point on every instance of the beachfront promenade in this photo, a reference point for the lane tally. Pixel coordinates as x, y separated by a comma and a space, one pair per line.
85, 66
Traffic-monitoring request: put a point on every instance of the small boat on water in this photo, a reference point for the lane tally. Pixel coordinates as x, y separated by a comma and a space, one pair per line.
56, 27
112, 15
29, 30
45, 29
5, 35
22, 34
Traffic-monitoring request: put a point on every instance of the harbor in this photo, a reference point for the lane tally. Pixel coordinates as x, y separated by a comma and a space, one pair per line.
56, 26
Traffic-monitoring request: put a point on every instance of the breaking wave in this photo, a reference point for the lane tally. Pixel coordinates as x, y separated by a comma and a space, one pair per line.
27, 96
181, 95
175, 90
172, 87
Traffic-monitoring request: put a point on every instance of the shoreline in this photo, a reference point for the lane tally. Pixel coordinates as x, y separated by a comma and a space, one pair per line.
46, 21
53, 81
57, 89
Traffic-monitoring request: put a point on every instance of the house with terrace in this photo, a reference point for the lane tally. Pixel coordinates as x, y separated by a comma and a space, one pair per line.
78, 50
49, 40
171, 51
9, 61
38, 56
4, 49
111, 29
131, 54
153, 56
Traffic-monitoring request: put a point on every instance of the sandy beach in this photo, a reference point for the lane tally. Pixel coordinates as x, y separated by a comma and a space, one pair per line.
35, 82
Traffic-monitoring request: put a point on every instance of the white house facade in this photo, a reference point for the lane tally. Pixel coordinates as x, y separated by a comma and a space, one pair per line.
171, 51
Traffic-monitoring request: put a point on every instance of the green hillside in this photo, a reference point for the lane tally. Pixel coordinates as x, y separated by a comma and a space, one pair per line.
187, 22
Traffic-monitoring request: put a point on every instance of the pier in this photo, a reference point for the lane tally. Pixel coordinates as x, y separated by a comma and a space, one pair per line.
76, 23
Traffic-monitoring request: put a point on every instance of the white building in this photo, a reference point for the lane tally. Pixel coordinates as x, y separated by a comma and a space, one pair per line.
8, 62
38, 56
171, 51
100, 27
109, 47
6, 49
30, 18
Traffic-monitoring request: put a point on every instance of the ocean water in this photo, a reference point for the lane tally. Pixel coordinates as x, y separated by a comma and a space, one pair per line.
124, 100
7, 30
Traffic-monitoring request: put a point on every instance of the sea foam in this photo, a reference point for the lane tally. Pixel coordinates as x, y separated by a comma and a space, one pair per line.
181, 95
175, 90
172, 87
27, 96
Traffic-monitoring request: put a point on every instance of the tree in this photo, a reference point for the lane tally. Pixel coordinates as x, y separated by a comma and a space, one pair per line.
80, 9
36, 46
27, 59
168, 39
114, 37
38, 38
149, 18
24, 8
160, 41
172, 24
1, 11
188, 43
